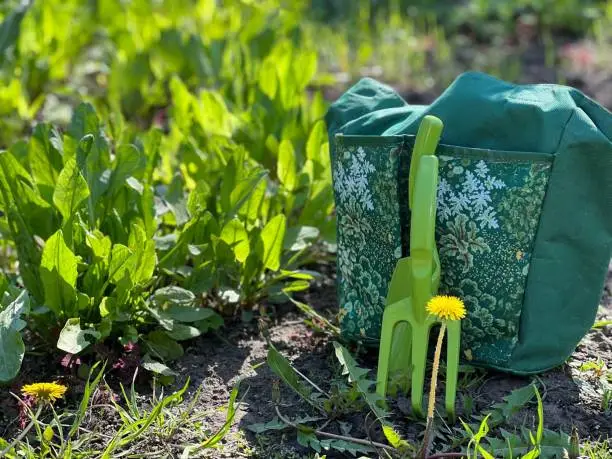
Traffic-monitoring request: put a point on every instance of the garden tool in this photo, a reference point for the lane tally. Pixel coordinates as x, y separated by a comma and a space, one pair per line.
406, 324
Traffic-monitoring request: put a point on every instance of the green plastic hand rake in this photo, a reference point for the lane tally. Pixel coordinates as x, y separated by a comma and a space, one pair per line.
406, 324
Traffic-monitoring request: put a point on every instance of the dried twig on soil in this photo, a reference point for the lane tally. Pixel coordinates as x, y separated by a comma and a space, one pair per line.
335, 436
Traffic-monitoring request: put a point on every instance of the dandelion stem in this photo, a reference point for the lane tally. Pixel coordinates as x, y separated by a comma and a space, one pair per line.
434, 374
432, 392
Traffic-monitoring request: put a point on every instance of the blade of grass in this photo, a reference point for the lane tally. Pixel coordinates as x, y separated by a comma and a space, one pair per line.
129, 432
191, 451
314, 315
284, 370
90, 387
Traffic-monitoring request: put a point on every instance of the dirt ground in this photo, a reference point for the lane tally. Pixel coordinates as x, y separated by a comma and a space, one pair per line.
216, 363
571, 398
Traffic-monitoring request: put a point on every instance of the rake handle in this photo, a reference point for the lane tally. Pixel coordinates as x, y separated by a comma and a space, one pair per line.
426, 142
422, 233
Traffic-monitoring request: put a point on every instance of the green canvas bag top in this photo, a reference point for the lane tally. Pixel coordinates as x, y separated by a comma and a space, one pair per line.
524, 221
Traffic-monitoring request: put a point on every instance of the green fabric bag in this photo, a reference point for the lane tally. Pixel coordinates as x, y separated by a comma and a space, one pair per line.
524, 223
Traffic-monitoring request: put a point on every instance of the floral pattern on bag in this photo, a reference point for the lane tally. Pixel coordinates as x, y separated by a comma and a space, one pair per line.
369, 239
488, 213
487, 218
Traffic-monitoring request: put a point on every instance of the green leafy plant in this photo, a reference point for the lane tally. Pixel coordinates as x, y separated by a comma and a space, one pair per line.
523, 444
124, 233
82, 227
357, 376
512, 404
12, 347
250, 233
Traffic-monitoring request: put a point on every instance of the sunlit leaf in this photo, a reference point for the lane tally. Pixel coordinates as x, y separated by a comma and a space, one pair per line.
58, 272
272, 237
71, 190
234, 234
286, 166
73, 339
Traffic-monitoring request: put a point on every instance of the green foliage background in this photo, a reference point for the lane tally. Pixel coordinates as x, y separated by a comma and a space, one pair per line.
185, 166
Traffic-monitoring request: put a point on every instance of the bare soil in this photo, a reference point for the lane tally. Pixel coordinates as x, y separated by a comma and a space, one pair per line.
237, 354
571, 398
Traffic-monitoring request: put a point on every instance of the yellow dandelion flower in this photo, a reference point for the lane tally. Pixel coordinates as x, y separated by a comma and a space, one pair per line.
46, 392
446, 307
